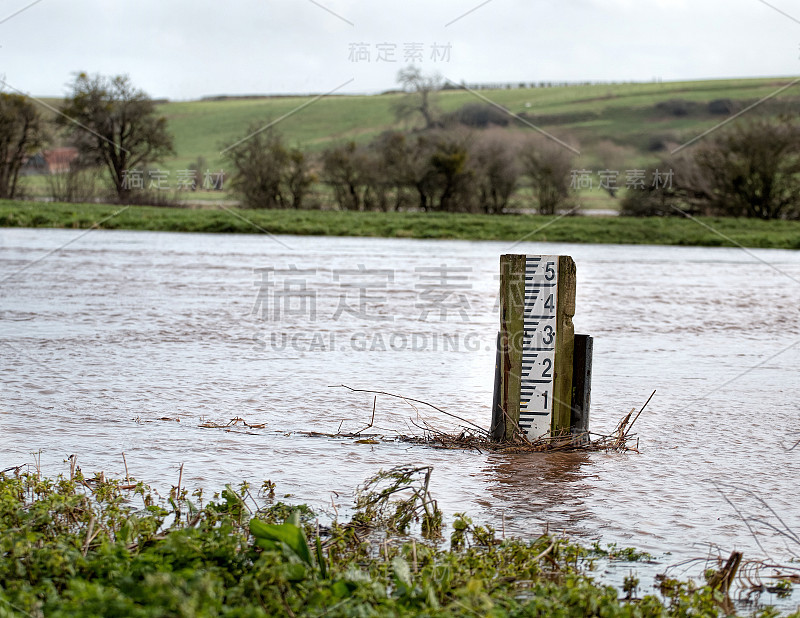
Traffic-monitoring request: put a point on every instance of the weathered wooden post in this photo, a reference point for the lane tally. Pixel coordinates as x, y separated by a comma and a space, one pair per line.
535, 347
581, 385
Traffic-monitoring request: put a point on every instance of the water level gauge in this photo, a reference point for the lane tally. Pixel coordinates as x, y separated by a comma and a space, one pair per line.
538, 345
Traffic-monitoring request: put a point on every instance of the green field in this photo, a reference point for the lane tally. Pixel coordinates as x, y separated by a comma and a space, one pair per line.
631, 116
621, 230
624, 113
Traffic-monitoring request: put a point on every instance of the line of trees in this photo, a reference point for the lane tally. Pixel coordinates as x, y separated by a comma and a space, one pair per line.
464, 161
749, 170
444, 170
461, 161
112, 124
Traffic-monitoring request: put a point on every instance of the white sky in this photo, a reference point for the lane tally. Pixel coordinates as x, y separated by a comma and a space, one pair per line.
185, 50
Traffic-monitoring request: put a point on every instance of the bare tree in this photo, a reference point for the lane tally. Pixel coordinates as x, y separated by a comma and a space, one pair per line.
396, 166
612, 157
451, 172
548, 165
497, 171
420, 97
298, 177
21, 134
405, 160
751, 170
268, 174
347, 170
114, 124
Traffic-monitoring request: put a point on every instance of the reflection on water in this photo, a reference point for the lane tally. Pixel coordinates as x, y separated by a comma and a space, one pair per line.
549, 489
103, 339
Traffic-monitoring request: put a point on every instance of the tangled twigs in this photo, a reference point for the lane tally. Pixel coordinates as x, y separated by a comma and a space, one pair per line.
397, 497
767, 518
372, 421
234, 422
409, 399
746, 576
467, 440
476, 437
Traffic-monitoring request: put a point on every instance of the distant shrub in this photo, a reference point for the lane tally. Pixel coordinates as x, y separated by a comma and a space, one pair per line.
478, 115
657, 143
677, 107
77, 184
751, 169
349, 170
721, 107
648, 202
268, 174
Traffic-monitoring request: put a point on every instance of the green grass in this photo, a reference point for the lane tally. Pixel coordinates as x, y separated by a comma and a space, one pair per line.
619, 230
625, 113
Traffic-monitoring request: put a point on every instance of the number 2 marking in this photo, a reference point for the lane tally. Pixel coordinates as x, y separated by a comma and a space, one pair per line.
548, 366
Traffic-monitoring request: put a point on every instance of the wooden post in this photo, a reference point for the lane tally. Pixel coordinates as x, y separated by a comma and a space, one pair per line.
565, 342
498, 428
581, 384
537, 302
512, 309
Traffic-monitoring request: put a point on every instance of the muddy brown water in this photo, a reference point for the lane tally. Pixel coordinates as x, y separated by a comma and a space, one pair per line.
104, 337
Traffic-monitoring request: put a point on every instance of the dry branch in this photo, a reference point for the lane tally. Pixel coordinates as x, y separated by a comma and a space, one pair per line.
407, 399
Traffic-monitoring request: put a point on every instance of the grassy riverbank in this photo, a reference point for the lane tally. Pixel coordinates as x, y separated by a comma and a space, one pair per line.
711, 232
104, 547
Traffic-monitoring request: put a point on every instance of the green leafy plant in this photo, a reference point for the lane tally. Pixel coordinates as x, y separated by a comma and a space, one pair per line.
398, 497
89, 547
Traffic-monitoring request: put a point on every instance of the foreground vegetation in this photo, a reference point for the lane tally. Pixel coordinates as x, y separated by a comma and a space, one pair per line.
104, 547
619, 230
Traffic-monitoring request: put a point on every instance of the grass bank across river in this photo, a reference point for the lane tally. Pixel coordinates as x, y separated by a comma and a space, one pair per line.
706, 231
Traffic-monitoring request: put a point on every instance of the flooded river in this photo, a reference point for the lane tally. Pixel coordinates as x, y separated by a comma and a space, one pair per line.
101, 339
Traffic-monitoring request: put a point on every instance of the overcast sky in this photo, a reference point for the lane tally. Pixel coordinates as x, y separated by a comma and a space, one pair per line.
184, 50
